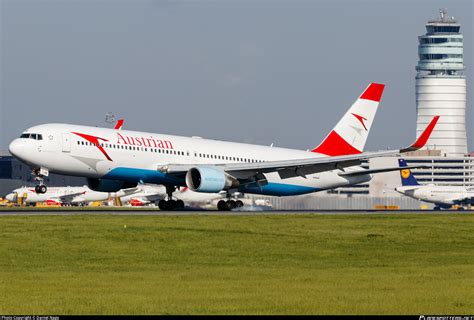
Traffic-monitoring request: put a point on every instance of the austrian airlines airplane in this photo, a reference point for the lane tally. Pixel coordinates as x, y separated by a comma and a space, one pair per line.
113, 159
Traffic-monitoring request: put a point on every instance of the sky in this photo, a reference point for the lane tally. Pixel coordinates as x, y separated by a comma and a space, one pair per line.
261, 72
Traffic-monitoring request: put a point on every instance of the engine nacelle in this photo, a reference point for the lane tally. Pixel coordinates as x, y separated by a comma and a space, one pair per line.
107, 185
211, 180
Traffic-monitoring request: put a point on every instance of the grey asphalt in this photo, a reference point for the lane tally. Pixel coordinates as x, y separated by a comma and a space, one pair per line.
43, 212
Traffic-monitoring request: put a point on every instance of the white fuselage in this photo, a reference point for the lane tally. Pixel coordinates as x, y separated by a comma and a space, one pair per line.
138, 156
448, 195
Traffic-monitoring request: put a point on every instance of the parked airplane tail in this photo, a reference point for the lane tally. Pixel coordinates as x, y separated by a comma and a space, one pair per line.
408, 179
351, 132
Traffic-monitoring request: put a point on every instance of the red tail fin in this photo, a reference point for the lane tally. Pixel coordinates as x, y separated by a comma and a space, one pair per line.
351, 132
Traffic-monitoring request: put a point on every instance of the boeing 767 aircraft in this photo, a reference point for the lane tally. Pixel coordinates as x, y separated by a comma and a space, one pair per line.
113, 159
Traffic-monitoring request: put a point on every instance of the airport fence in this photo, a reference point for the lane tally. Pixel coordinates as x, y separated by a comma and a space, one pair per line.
345, 203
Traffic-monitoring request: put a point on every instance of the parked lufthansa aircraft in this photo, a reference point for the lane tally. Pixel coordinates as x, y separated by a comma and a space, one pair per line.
441, 196
113, 159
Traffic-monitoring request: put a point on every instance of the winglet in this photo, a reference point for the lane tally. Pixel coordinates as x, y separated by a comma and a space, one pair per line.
423, 138
119, 124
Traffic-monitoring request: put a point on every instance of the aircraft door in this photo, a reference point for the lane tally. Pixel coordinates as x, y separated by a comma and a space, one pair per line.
66, 142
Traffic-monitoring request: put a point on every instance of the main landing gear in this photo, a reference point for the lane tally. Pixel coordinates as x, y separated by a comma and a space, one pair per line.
170, 204
230, 204
39, 177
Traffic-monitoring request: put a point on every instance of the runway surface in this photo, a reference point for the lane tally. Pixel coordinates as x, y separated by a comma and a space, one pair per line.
141, 212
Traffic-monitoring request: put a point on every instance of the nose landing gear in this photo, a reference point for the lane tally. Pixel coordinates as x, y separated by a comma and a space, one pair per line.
39, 174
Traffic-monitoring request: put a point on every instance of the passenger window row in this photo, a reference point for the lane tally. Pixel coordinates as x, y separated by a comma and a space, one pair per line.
166, 151
132, 148
228, 158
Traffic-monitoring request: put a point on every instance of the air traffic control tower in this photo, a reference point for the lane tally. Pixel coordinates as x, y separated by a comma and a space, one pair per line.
441, 86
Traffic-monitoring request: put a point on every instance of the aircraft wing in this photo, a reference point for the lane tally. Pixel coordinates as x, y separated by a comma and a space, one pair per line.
302, 167
69, 197
130, 191
379, 170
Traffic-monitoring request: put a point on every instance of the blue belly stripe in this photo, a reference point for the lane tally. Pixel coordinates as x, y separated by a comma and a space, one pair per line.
278, 189
157, 177
144, 175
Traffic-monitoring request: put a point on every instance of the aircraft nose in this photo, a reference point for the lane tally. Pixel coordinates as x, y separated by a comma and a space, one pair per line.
10, 197
17, 147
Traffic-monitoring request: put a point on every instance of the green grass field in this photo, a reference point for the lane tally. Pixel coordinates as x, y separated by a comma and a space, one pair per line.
304, 264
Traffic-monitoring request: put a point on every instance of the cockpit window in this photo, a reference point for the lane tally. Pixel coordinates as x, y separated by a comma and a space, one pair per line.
34, 136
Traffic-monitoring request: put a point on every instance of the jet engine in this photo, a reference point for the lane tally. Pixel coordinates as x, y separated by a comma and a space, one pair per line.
107, 185
211, 180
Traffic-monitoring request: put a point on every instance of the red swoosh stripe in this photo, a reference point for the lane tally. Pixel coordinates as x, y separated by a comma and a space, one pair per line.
95, 141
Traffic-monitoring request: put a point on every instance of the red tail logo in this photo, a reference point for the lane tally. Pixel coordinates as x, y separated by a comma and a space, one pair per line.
361, 119
95, 141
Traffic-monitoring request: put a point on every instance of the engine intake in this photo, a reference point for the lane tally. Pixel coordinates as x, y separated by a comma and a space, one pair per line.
211, 180
107, 185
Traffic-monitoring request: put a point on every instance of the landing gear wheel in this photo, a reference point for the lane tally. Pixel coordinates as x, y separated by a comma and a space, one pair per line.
162, 204
239, 203
436, 208
230, 204
179, 204
170, 205
41, 188
460, 208
222, 205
